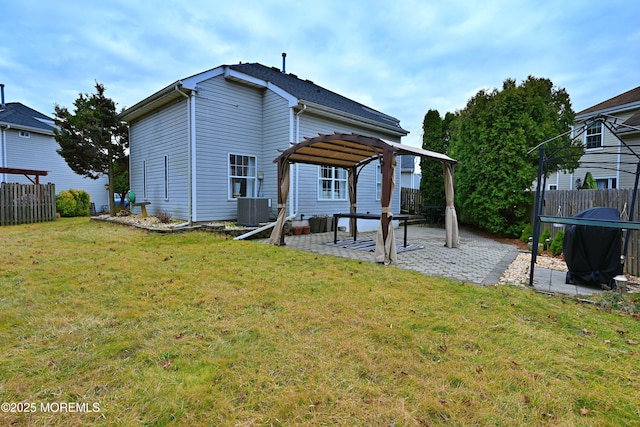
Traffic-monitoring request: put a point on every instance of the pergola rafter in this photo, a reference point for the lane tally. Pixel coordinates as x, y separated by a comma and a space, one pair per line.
27, 173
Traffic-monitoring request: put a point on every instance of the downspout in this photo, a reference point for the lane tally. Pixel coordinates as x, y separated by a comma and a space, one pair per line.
3, 141
298, 114
190, 152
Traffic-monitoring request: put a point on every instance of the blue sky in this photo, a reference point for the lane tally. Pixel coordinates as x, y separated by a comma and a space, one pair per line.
402, 57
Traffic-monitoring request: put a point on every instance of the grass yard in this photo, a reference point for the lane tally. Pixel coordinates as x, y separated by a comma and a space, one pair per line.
194, 329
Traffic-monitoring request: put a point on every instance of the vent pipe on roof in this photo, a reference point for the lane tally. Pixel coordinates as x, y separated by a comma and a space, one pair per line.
284, 62
2, 90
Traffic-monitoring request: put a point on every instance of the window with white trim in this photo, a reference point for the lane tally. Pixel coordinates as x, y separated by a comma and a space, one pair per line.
242, 176
25, 134
606, 182
144, 179
166, 177
332, 183
593, 136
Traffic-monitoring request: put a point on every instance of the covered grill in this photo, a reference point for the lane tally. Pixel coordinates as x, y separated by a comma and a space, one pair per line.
592, 253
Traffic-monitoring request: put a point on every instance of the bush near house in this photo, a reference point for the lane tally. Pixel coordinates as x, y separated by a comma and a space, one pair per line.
527, 232
73, 203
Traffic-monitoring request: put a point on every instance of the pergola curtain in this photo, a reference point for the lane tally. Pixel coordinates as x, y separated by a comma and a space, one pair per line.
452, 238
277, 234
385, 238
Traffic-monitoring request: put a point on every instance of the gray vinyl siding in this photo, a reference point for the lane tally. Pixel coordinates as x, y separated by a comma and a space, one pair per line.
163, 133
276, 129
228, 121
308, 204
38, 152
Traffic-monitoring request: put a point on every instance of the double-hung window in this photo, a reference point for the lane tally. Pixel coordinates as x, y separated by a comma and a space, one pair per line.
242, 176
332, 183
593, 137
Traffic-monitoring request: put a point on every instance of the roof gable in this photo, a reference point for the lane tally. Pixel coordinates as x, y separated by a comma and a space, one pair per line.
630, 98
21, 116
306, 90
299, 91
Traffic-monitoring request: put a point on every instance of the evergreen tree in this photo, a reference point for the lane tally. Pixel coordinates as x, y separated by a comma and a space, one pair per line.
92, 139
492, 137
435, 137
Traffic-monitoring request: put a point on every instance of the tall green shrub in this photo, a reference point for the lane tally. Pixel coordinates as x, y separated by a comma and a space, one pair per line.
589, 182
73, 203
556, 243
492, 138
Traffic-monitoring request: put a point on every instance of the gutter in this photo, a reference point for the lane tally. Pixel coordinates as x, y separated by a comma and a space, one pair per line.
352, 118
27, 128
3, 141
616, 109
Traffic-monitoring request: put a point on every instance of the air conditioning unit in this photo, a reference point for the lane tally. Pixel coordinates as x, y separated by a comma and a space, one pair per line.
253, 210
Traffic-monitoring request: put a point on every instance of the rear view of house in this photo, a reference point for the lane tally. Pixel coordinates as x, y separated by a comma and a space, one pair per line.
203, 142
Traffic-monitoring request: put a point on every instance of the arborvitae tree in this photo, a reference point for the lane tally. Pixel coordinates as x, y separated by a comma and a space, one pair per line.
92, 139
435, 137
589, 182
492, 137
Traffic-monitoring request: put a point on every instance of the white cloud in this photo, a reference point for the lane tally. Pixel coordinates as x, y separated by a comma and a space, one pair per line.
401, 57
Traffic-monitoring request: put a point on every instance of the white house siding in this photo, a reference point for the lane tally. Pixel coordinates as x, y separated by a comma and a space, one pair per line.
308, 203
38, 152
228, 121
163, 133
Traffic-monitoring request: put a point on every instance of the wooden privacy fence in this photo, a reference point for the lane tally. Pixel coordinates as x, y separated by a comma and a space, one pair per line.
410, 200
27, 203
569, 202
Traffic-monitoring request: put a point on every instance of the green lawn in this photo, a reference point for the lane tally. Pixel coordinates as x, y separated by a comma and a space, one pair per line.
195, 329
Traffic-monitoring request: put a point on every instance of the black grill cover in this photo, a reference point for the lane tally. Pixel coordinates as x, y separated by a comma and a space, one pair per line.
593, 253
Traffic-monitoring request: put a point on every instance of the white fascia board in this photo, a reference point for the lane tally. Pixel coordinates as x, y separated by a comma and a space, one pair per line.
191, 82
14, 126
612, 110
292, 100
253, 81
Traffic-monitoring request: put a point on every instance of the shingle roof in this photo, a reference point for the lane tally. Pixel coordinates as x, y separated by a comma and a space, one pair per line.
19, 115
306, 90
629, 97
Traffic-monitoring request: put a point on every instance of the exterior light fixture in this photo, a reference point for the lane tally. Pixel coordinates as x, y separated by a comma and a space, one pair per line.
621, 283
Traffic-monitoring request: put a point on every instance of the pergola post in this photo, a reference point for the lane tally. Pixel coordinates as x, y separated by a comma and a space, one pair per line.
385, 196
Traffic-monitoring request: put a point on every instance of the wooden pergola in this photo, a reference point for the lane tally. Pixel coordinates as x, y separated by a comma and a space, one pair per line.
353, 152
27, 173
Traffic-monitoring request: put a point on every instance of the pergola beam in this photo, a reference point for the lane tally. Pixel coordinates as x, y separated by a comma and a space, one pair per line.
26, 172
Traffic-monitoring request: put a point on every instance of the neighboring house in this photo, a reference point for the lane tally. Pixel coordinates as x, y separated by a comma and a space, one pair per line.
408, 176
608, 160
27, 142
203, 142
